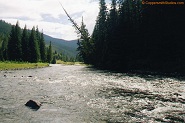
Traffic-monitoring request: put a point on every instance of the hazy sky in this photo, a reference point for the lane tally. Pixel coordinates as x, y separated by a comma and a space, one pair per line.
49, 16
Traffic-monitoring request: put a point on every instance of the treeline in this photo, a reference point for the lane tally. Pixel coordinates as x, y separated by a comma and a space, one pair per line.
25, 46
134, 36
65, 57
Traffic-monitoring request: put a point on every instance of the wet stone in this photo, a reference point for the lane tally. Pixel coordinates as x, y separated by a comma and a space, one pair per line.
33, 104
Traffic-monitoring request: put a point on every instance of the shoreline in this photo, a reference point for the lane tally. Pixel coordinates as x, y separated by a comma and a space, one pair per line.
4, 66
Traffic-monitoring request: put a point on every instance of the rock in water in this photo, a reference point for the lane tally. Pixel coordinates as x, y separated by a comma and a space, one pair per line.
33, 104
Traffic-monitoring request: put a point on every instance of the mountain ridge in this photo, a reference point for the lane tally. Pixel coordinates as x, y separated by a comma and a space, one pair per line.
60, 45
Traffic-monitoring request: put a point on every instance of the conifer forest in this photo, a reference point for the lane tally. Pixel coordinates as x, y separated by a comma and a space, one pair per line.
132, 36
23, 45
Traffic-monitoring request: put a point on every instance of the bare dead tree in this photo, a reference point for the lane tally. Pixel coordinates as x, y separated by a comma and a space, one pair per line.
72, 21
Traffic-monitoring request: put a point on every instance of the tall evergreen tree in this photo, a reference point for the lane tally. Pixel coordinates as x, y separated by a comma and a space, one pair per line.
33, 44
25, 45
11, 45
49, 53
18, 43
3, 47
100, 34
38, 39
85, 46
111, 34
42, 48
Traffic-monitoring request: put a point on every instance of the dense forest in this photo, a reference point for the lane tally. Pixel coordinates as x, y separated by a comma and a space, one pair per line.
23, 45
61, 49
131, 36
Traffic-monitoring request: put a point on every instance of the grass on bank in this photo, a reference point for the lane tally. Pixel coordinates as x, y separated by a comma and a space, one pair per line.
69, 63
20, 65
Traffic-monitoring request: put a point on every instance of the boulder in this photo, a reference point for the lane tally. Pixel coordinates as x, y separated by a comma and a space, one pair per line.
33, 104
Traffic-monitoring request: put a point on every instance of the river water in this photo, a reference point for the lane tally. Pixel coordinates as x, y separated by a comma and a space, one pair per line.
78, 94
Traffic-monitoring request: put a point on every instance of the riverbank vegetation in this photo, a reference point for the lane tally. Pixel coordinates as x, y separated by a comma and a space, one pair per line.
133, 36
21, 65
69, 63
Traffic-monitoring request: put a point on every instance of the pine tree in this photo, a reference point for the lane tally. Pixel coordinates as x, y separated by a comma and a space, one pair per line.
38, 39
111, 35
33, 44
3, 47
1, 51
11, 45
25, 45
85, 46
49, 53
85, 43
54, 60
112, 17
42, 48
14, 45
18, 43
99, 34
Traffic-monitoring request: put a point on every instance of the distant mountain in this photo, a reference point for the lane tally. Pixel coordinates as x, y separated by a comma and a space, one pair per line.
67, 47
60, 45
5, 28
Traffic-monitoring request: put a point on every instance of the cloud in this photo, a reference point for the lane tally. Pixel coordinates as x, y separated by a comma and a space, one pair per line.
49, 16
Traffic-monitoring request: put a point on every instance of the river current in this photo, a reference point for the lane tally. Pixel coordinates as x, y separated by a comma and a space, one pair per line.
78, 94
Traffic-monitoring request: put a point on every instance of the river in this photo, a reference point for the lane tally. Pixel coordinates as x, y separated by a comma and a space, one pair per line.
78, 94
